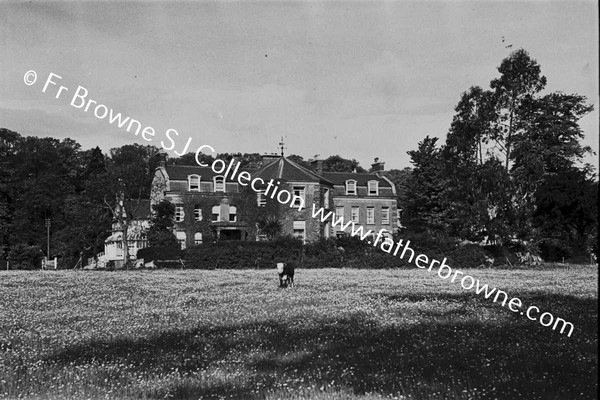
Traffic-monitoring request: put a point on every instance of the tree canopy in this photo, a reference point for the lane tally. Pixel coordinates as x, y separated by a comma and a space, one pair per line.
511, 167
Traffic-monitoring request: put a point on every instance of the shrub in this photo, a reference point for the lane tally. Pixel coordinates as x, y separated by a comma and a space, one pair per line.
554, 250
502, 255
23, 256
470, 256
160, 253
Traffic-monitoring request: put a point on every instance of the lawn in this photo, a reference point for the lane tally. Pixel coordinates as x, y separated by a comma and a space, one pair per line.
340, 333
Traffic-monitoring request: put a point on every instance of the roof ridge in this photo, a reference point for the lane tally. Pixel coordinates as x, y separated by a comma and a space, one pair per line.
311, 173
349, 172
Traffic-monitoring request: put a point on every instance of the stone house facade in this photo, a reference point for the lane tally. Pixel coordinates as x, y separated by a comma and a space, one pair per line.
367, 199
211, 206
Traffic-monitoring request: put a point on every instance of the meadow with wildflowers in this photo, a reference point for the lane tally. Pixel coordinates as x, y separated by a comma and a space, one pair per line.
339, 334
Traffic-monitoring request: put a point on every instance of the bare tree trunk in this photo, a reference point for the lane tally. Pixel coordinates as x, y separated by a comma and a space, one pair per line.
508, 139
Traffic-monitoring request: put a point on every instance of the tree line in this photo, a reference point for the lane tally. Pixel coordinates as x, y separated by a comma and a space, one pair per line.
511, 170
82, 193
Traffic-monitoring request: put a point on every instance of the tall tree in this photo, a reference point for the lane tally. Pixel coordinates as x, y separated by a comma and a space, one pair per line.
9, 143
472, 127
426, 204
520, 79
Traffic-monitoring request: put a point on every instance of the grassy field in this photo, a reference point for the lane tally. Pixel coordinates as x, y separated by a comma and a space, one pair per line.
358, 334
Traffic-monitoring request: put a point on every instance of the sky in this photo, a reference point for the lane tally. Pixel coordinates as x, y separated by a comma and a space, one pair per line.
361, 79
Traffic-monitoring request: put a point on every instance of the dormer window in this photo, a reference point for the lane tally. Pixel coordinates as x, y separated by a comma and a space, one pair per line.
373, 188
194, 183
351, 187
219, 184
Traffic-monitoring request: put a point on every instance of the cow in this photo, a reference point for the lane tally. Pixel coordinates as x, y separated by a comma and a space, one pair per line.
286, 274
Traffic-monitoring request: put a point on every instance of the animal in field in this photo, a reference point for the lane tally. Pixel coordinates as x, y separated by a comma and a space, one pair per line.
286, 274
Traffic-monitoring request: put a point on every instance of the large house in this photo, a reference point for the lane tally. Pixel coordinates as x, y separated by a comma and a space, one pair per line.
211, 206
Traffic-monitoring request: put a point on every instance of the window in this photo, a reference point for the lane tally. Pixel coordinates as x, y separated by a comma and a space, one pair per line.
232, 213
355, 214
197, 213
197, 238
181, 238
339, 212
216, 212
351, 187
261, 199
300, 230
371, 215
326, 199
179, 214
299, 199
231, 187
385, 215
373, 188
194, 183
219, 184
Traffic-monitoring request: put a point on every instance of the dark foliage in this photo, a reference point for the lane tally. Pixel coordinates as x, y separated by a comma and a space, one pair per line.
241, 255
161, 225
339, 164
342, 252
172, 253
23, 256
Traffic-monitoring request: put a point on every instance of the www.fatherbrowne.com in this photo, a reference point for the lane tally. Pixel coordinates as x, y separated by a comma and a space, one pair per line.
443, 270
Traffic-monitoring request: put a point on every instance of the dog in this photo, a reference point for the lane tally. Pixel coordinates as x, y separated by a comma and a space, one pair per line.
286, 274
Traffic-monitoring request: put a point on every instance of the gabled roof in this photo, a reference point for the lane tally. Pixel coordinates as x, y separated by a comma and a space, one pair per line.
340, 178
287, 170
181, 172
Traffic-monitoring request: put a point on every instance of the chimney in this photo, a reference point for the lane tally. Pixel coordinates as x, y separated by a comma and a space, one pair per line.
317, 165
378, 166
163, 156
269, 158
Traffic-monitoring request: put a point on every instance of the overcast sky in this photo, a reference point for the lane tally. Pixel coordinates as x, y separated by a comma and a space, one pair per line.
359, 79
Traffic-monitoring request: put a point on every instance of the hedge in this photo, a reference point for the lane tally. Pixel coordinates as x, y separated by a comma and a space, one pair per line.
230, 254
344, 252
160, 253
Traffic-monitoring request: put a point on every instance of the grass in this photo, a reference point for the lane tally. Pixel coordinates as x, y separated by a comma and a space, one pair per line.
339, 334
